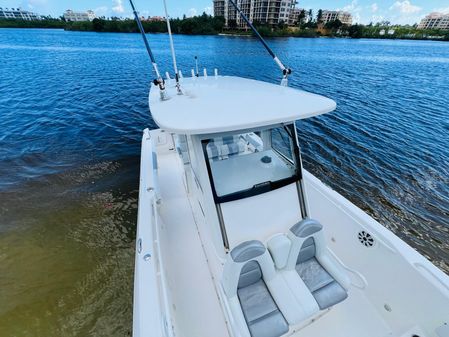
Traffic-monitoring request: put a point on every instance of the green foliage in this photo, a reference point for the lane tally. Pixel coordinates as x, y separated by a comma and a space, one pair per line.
396, 32
301, 17
356, 31
208, 25
334, 25
198, 25
45, 23
319, 16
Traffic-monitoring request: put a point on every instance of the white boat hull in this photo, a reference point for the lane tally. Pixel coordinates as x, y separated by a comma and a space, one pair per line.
394, 291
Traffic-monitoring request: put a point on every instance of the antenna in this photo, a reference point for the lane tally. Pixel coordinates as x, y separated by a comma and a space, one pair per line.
159, 81
196, 66
172, 47
285, 71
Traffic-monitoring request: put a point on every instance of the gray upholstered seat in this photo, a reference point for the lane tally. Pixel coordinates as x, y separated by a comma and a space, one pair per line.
261, 312
326, 290
262, 315
222, 148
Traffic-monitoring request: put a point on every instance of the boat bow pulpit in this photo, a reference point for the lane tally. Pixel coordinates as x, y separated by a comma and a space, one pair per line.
235, 238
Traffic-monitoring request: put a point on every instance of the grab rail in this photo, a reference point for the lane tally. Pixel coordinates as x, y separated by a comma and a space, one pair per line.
161, 274
152, 316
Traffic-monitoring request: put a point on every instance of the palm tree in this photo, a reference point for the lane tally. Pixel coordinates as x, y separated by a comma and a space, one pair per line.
301, 17
319, 16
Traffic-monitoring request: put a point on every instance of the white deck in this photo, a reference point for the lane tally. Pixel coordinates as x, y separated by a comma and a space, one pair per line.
196, 309
193, 294
224, 103
354, 317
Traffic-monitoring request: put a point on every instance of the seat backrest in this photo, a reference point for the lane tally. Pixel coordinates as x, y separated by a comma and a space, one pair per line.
250, 274
308, 241
223, 147
247, 263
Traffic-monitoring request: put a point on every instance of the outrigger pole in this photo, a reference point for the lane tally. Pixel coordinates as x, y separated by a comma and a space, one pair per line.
285, 71
172, 47
159, 81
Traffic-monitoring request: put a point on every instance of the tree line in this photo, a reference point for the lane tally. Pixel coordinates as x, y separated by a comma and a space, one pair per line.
307, 25
198, 25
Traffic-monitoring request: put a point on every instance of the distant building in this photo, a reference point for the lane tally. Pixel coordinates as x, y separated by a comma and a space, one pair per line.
293, 20
271, 12
344, 17
435, 21
70, 15
18, 14
154, 19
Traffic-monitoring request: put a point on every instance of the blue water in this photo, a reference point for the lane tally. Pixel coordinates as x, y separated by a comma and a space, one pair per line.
72, 108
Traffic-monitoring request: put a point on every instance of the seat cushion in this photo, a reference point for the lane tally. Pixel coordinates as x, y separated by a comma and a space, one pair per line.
261, 312
322, 285
330, 295
313, 274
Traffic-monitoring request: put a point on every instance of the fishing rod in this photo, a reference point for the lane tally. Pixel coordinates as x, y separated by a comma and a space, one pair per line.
285, 71
172, 47
159, 81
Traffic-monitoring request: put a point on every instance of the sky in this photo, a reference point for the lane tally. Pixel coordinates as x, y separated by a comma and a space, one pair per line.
363, 11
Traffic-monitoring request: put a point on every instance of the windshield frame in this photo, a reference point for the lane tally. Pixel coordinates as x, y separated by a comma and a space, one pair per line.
262, 187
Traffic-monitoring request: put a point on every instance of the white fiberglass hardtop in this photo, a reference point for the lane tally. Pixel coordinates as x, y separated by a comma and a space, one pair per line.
227, 103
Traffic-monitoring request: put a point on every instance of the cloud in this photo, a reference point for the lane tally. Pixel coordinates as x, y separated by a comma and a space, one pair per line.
374, 7
101, 11
118, 6
405, 7
442, 10
404, 12
354, 8
377, 18
192, 12
208, 10
351, 7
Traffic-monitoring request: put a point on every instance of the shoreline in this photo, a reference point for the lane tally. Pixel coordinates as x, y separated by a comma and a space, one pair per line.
214, 26
442, 39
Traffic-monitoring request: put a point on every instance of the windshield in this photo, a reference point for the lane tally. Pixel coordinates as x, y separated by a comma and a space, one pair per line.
247, 164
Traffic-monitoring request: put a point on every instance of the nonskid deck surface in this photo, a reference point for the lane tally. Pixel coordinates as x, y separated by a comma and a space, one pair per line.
354, 317
196, 308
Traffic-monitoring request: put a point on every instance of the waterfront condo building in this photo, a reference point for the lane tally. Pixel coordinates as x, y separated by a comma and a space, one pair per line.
18, 14
435, 21
295, 14
70, 15
269, 12
344, 17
